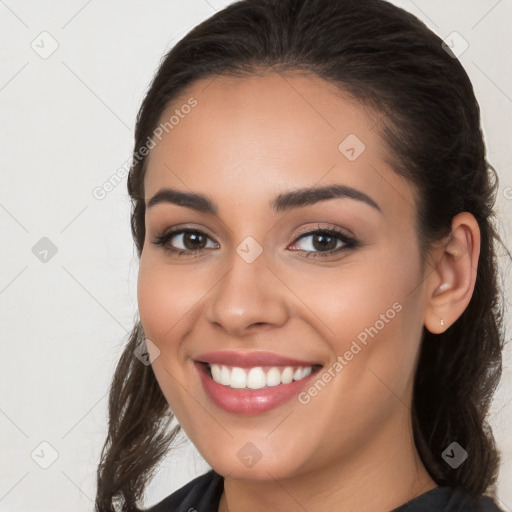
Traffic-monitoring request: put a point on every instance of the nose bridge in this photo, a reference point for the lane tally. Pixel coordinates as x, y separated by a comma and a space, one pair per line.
249, 293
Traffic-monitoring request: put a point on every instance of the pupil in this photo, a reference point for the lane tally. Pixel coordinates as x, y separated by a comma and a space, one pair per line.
323, 245
191, 237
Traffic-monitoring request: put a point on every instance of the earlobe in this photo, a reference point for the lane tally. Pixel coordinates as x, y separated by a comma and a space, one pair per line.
450, 285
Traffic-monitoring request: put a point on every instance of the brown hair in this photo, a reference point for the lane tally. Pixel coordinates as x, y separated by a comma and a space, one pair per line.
388, 59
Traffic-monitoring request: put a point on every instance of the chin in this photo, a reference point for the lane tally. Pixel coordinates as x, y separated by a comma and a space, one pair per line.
244, 465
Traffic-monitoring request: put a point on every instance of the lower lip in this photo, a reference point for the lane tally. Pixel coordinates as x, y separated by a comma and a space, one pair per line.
250, 401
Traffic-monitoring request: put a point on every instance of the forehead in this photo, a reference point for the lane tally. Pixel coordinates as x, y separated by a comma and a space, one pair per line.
261, 134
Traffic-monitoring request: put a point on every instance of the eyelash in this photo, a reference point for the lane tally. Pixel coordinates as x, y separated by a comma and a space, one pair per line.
349, 242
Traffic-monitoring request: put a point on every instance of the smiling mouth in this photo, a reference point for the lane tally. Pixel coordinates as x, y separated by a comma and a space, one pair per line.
256, 377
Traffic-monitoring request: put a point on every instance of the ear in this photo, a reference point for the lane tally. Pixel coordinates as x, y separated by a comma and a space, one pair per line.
451, 281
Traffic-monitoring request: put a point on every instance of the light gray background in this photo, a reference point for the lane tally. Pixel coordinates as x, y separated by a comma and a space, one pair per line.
66, 127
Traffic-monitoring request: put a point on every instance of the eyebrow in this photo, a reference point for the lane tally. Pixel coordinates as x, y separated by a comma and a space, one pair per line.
283, 202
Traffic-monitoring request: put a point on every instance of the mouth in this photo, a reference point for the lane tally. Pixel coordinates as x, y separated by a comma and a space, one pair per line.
256, 377
239, 386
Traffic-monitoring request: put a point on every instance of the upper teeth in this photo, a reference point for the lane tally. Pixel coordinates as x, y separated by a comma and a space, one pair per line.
256, 378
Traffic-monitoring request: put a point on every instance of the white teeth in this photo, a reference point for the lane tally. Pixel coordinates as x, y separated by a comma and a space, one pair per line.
256, 378
273, 377
287, 375
216, 372
225, 376
238, 378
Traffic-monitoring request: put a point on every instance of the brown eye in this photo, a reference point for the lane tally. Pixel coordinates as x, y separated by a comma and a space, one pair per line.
325, 242
192, 241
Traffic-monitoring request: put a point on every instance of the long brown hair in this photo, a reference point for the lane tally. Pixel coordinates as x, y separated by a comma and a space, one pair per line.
388, 59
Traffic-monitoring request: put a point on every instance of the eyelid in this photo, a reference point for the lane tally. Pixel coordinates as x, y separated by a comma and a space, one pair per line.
175, 230
324, 227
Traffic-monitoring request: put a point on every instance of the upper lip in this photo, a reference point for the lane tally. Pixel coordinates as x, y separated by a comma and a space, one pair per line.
250, 359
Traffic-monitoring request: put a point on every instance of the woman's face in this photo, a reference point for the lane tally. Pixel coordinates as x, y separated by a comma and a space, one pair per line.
260, 278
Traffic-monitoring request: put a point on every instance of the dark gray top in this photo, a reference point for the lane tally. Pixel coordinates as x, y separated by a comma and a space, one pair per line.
202, 494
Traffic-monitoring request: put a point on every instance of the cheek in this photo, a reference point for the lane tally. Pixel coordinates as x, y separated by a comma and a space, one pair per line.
384, 316
373, 318
153, 295
366, 293
372, 322
165, 297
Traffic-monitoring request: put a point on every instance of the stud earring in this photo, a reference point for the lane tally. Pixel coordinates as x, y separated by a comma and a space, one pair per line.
442, 322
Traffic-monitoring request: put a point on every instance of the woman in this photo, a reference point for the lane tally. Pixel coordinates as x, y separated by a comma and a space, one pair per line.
312, 209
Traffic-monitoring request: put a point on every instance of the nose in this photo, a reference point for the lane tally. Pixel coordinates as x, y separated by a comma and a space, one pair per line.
249, 296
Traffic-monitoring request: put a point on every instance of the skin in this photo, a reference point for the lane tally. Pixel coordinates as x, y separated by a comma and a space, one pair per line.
249, 139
